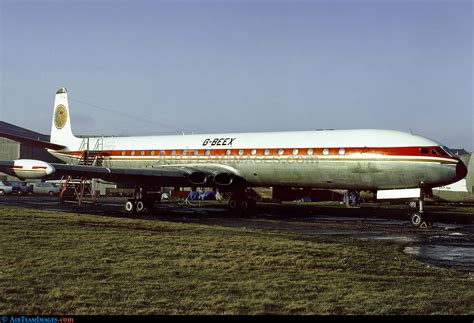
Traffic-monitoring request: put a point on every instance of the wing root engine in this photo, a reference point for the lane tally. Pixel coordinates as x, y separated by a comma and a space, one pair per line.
202, 175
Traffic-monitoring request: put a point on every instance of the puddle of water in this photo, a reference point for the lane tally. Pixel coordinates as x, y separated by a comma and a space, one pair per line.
356, 219
443, 254
403, 239
457, 234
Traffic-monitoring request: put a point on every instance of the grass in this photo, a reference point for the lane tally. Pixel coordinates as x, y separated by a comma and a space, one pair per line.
65, 263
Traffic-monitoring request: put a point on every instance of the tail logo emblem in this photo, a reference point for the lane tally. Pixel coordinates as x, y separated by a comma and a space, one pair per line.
60, 116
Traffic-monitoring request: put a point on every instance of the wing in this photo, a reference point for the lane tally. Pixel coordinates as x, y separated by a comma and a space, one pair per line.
183, 175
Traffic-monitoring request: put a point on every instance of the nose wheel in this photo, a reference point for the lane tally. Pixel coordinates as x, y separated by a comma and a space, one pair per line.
420, 219
416, 219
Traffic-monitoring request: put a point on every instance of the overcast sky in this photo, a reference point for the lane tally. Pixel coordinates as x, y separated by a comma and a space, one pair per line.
237, 66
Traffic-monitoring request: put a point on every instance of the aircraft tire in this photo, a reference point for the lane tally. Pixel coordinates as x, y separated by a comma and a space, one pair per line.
248, 206
129, 206
416, 219
233, 204
140, 206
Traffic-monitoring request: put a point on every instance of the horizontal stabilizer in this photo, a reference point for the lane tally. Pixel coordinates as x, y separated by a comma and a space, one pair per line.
31, 142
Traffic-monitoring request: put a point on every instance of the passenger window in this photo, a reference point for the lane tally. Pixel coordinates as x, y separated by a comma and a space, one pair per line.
424, 150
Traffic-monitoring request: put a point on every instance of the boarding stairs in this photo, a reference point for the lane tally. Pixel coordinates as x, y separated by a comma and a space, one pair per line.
79, 190
92, 157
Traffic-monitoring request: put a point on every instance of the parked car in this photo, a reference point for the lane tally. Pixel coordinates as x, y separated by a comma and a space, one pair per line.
21, 188
5, 188
45, 188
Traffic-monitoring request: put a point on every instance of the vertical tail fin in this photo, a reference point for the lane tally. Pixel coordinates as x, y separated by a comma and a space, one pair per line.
61, 132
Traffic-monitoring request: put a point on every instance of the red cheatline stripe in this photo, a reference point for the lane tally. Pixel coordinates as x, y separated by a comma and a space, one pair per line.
432, 151
39, 167
17, 167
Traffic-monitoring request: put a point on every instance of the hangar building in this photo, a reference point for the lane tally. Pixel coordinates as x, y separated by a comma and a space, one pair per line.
10, 149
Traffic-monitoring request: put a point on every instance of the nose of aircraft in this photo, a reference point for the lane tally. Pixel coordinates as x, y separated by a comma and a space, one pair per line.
461, 170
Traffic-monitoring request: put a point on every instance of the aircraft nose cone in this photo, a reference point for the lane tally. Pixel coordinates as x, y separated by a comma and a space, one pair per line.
461, 170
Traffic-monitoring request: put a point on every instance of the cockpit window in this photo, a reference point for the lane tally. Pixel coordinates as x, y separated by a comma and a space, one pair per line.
447, 151
439, 151
436, 151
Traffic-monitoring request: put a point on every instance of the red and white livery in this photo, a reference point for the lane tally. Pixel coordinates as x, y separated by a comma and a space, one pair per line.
363, 159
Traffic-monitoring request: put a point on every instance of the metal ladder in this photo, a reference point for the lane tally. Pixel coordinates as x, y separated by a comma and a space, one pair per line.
92, 157
79, 190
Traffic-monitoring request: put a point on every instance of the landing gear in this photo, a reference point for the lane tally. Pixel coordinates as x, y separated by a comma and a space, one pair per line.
143, 201
420, 219
242, 203
142, 206
416, 219
130, 206
352, 198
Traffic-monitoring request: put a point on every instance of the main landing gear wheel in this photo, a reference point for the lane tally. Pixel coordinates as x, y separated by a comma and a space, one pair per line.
129, 206
143, 200
233, 204
244, 206
138, 206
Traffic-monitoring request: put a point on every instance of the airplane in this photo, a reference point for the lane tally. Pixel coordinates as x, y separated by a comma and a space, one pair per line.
385, 161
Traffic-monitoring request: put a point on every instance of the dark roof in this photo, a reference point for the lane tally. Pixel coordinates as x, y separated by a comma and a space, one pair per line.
19, 131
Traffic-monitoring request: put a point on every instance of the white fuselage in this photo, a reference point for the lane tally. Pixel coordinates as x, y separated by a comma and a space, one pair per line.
347, 159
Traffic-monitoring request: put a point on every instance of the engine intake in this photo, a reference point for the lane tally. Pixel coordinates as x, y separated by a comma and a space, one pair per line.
197, 178
223, 179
